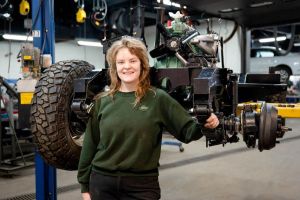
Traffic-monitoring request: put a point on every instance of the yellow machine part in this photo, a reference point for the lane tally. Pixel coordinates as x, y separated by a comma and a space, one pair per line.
80, 15
27, 57
285, 110
24, 7
26, 97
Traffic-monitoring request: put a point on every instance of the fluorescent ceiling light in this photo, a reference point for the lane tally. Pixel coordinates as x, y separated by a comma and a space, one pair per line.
17, 37
169, 3
89, 43
266, 3
175, 4
5, 15
297, 44
265, 40
229, 10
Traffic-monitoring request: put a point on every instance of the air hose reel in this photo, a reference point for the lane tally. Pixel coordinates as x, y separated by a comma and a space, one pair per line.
99, 13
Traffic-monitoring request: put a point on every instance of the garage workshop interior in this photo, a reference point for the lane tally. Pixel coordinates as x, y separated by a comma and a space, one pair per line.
239, 59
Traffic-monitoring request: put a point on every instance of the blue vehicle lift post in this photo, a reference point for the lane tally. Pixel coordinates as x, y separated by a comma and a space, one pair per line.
44, 38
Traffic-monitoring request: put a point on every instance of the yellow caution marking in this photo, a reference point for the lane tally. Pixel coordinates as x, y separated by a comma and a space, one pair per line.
26, 97
27, 57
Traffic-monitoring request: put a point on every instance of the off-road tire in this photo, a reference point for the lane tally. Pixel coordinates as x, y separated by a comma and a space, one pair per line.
50, 123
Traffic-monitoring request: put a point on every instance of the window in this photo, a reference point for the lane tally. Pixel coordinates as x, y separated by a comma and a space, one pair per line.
262, 53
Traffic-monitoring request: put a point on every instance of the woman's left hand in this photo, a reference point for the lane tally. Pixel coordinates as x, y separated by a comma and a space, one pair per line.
212, 122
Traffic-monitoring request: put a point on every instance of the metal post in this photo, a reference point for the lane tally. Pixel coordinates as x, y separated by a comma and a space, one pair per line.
1, 135
160, 11
44, 39
245, 50
11, 129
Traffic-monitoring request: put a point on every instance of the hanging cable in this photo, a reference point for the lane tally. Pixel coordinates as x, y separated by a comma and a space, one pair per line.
99, 13
235, 28
291, 42
3, 4
9, 46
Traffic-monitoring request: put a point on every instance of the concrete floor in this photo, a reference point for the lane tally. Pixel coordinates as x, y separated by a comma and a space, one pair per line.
217, 173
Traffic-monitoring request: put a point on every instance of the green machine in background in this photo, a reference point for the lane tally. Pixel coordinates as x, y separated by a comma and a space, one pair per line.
184, 46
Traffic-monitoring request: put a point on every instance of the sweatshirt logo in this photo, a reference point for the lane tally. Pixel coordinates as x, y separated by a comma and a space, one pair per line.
143, 108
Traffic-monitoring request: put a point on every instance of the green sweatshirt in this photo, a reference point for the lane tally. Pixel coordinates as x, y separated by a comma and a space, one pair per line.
123, 140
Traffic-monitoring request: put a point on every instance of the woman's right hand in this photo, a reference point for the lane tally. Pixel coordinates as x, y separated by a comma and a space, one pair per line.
86, 196
212, 122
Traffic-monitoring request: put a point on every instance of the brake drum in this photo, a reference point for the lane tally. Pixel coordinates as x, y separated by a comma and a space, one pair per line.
267, 127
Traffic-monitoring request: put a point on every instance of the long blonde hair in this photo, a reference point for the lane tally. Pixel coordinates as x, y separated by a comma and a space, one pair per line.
137, 48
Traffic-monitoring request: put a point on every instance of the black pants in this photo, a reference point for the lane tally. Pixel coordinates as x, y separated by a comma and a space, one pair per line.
123, 187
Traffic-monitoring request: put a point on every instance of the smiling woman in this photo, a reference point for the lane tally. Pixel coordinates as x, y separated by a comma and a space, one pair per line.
122, 142
128, 70
134, 60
